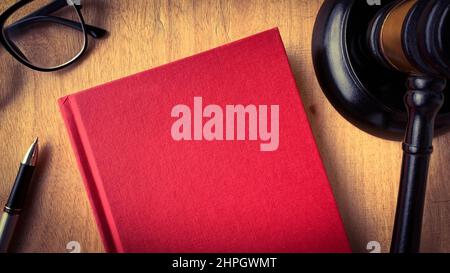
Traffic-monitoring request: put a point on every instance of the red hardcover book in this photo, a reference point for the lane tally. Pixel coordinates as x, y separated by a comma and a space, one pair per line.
212, 153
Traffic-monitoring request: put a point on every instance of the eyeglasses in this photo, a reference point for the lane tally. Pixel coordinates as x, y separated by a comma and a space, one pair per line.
46, 35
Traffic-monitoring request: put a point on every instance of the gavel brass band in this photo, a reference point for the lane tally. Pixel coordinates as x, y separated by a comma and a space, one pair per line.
411, 36
411, 39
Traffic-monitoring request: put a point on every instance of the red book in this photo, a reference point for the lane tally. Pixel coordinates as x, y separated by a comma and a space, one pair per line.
212, 153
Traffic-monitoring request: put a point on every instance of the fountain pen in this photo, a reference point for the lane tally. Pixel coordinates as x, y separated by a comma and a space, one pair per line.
16, 200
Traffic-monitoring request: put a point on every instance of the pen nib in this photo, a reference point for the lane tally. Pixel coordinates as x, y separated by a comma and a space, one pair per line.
31, 156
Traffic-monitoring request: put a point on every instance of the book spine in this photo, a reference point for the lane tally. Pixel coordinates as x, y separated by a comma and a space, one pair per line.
110, 242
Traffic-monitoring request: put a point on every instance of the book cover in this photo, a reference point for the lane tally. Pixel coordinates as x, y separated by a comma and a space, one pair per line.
211, 153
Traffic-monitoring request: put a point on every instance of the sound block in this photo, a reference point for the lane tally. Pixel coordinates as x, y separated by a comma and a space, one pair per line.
365, 92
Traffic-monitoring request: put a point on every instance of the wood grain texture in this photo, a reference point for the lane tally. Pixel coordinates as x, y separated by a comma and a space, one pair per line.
363, 170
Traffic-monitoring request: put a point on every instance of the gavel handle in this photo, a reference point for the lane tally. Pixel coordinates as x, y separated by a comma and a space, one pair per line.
423, 101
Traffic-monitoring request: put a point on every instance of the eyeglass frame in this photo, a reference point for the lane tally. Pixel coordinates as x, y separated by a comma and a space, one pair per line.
42, 15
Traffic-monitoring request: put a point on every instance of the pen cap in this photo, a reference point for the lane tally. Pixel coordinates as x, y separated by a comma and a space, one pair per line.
20, 189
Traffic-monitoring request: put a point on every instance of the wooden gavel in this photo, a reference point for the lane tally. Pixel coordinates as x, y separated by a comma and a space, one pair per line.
399, 39
412, 37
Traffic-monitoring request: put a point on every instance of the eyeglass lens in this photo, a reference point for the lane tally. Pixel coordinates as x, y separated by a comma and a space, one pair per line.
38, 34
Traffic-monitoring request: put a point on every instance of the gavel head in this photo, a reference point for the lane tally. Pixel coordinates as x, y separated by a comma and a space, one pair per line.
413, 36
368, 54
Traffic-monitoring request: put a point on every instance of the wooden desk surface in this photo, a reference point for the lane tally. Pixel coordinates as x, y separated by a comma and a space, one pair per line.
364, 170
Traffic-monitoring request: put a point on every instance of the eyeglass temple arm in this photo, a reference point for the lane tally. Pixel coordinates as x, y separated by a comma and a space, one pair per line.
41, 14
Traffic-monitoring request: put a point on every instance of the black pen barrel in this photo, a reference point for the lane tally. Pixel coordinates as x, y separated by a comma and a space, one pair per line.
16, 200
20, 188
